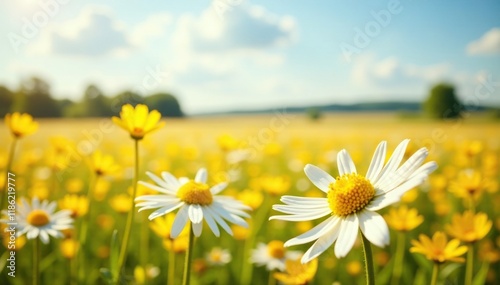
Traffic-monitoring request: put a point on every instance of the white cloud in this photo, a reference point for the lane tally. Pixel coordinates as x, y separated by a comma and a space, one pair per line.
241, 28
488, 44
97, 32
440, 71
153, 27
93, 32
218, 45
371, 71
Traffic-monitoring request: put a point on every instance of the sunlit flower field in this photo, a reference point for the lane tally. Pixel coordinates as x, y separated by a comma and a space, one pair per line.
446, 229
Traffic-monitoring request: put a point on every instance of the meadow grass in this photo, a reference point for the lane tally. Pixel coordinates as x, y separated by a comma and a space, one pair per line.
279, 146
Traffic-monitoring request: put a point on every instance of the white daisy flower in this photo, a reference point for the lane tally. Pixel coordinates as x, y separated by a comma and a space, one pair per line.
352, 200
39, 220
218, 256
273, 255
196, 202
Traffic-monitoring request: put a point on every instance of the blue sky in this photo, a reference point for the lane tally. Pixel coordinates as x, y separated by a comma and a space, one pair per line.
235, 54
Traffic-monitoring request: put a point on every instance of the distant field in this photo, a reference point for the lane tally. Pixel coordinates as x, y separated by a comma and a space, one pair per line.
54, 162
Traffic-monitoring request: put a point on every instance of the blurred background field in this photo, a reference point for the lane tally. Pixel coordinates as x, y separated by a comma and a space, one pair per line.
253, 91
54, 163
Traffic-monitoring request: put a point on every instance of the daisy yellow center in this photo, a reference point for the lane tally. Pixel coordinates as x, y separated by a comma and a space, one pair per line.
216, 256
349, 194
195, 193
38, 218
276, 249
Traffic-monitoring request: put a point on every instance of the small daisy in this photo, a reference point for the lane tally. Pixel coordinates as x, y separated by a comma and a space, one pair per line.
352, 199
196, 202
218, 257
273, 255
39, 220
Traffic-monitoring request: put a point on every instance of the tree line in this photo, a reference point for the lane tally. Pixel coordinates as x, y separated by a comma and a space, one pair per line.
34, 97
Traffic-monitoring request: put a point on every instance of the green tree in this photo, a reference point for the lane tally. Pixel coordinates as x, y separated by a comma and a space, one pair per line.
442, 102
165, 103
6, 100
125, 97
95, 103
314, 113
35, 99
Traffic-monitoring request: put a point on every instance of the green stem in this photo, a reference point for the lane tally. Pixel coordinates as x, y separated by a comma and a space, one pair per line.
399, 259
36, 261
260, 217
189, 255
82, 235
271, 280
130, 216
171, 266
72, 271
435, 272
7, 170
370, 275
469, 267
143, 254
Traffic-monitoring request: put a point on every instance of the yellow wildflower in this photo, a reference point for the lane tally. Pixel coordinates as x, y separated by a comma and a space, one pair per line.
138, 121
103, 164
469, 227
297, 273
20, 125
439, 249
403, 219
78, 205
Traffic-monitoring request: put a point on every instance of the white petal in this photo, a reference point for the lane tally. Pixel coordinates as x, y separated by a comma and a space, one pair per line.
322, 244
217, 188
179, 222
224, 213
314, 233
302, 217
201, 176
377, 162
170, 179
345, 163
33, 233
211, 222
165, 210
35, 203
382, 201
157, 179
51, 207
403, 188
319, 177
157, 198
302, 201
393, 179
44, 237
348, 233
393, 162
425, 169
374, 227
157, 188
219, 220
197, 228
183, 180
195, 213
295, 209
